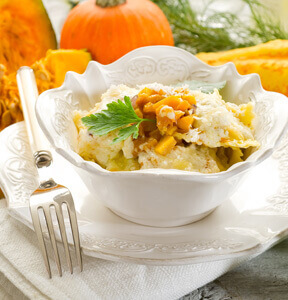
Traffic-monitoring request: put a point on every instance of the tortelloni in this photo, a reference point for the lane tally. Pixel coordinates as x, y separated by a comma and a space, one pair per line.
192, 131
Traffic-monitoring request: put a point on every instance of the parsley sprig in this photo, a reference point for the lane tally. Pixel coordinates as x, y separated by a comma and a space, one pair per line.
118, 114
121, 115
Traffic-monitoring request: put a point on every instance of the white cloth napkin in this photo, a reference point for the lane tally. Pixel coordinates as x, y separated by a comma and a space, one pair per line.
24, 274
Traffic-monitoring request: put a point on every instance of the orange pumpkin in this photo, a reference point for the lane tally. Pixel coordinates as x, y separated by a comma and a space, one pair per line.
108, 29
26, 33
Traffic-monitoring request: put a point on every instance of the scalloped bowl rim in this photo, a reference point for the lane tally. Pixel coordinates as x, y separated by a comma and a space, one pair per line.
172, 174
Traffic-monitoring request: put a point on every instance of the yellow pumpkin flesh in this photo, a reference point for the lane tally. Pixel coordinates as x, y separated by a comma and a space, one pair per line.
26, 33
49, 72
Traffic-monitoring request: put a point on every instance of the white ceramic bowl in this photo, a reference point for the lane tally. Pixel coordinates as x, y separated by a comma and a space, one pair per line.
158, 197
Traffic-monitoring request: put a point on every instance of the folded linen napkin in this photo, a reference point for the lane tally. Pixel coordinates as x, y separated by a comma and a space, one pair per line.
24, 274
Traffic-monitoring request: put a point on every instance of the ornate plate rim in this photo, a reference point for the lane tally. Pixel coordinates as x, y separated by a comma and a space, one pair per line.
253, 251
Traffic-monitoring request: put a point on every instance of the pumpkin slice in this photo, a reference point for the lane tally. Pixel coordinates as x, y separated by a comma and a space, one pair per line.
49, 72
26, 33
58, 62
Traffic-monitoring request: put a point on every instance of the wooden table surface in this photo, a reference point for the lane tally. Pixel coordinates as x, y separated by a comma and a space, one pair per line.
263, 278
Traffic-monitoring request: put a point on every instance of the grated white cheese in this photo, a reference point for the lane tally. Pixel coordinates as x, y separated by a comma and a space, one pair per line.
166, 111
192, 158
192, 136
215, 121
116, 92
167, 89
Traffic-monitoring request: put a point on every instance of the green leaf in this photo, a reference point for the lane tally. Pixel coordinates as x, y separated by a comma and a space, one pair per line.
205, 87
118, 114
124, 133
209, 30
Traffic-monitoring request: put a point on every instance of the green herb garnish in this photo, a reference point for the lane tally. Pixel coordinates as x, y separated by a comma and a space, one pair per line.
118, 114
121, 115
217, 31
205, 87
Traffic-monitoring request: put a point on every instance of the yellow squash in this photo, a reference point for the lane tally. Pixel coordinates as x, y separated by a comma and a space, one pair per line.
269, 60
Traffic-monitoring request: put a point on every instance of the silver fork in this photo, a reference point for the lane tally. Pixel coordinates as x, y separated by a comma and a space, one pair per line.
49, 194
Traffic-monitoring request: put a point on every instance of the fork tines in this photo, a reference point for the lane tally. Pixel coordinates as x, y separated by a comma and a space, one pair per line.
41, 200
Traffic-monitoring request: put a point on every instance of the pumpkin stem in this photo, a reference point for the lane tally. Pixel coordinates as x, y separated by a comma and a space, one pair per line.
109, 3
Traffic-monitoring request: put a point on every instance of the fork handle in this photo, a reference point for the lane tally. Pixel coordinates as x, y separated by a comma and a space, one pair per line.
28, 94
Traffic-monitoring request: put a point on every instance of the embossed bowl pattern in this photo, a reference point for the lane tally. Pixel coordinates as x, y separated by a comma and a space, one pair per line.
158, 197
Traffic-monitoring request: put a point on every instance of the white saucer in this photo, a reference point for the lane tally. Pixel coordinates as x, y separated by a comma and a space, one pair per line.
253, 220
